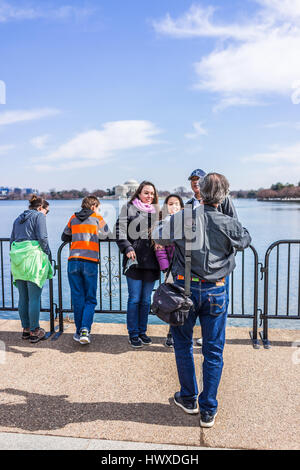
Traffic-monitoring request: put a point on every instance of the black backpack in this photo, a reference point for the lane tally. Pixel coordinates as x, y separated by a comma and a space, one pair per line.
172, 303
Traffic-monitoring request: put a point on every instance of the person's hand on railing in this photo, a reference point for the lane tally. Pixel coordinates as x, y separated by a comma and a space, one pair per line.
131, 255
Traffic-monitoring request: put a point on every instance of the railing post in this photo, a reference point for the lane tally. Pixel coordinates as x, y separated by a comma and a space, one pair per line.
265, 271
60, 301
51, 299
253, 334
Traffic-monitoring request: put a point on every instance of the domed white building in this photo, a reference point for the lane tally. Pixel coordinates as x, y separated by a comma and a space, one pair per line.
126, 189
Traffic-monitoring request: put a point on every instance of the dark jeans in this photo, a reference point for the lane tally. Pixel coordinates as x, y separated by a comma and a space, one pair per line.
210, 306
29, 304
138, 306
83, 276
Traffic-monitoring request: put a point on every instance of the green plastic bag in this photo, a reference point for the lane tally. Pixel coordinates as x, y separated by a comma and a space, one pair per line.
30, 263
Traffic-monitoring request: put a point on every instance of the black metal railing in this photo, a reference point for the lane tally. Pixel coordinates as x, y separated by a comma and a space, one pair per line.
284, 286
112, 292
247, 275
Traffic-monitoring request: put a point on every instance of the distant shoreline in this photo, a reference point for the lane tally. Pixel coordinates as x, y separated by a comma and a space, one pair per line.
291, 200
278, 200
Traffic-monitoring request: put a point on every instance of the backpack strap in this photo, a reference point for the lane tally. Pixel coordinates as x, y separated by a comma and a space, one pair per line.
188, 254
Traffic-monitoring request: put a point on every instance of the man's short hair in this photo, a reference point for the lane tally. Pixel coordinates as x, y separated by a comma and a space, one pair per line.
214, 188
89, 201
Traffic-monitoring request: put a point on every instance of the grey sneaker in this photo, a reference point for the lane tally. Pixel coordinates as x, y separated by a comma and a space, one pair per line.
207, 419
76, 337
189, 407
84, 336
135, 342
169, 341
145, 339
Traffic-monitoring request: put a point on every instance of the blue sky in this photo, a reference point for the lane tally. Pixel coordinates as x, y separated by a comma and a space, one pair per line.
98, 92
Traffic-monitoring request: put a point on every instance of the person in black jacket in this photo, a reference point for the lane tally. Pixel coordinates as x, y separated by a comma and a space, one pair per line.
140, 265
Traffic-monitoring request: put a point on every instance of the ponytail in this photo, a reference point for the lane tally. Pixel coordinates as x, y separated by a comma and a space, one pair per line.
36, 201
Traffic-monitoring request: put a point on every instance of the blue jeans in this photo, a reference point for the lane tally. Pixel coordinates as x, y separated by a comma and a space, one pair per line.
210, 305
138, 306
29, 304
83, 276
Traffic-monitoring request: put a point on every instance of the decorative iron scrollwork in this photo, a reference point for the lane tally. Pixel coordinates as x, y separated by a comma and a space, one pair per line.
110, 277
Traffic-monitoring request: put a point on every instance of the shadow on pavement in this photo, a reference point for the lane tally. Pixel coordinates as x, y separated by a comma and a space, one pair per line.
106, 344
48, 412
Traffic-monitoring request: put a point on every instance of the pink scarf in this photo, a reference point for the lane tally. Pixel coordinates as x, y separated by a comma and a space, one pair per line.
143, 207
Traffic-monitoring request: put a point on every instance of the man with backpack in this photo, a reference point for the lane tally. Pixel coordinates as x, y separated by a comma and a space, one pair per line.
215, 239
226, 207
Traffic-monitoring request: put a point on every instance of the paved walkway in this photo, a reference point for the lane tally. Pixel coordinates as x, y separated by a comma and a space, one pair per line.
13, 441
109, 392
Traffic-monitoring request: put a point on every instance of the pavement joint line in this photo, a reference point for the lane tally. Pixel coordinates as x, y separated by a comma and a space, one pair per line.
27, 441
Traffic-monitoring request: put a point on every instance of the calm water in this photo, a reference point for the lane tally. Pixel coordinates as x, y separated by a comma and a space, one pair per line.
266, 221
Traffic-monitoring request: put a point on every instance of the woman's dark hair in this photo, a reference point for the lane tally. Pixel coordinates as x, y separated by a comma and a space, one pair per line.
140, 188
154, 202
164, 212
36, 201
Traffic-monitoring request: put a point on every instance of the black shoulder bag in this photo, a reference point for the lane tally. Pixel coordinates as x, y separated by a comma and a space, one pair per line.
172, 303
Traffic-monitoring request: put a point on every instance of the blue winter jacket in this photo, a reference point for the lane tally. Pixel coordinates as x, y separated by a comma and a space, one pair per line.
31, 225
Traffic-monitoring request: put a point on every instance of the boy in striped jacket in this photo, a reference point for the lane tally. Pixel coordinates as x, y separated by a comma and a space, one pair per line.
83, 232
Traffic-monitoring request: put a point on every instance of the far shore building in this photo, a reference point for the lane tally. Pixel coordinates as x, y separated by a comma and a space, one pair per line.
126, 190
6, 191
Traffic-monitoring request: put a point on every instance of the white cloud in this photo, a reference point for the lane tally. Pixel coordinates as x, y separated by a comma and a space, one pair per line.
94, 147
40, 141
228, 101
283, 8
280, 124
285, 155
255, 58
279, 163
198, 131
10, 11
197, 22
13, 117
5, 148
266, 66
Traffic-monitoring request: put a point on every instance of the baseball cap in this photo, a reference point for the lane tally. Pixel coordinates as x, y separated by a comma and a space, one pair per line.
199, 173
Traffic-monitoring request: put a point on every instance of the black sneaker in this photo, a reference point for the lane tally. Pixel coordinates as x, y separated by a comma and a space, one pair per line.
25, 335
145, 339
169, 341
188, 407
207, 419
135, 342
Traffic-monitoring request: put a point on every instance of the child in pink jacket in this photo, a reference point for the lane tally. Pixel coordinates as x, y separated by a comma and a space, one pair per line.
172, 204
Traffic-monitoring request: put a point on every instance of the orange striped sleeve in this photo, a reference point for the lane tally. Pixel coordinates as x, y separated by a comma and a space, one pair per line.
85, 228
101, 221
69, 223
84, 245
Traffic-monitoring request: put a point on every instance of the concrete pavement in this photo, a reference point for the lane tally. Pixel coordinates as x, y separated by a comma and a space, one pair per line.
107, 392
